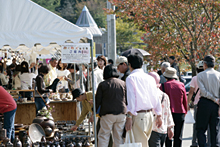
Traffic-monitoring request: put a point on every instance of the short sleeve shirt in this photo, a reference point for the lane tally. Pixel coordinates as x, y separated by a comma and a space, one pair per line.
195, 85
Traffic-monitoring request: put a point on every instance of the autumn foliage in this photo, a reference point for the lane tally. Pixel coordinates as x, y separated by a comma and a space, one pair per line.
188, 29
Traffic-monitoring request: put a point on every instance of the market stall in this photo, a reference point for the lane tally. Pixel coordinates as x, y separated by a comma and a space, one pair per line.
24, 22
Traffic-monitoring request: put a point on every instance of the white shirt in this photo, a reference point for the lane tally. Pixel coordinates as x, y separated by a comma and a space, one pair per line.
65, 73
52, 75
99, 75
209, 83
26, 80
142, 92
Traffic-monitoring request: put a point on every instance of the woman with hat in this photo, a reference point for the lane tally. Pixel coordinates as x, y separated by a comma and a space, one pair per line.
178, 104
111, 96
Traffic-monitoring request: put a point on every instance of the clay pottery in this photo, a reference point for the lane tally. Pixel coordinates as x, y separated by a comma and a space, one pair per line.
86, 144
9, 144
17, 142
70, 145
2, 134
2, 145
36, 144
22, 134
48, 125
48, 131
27, 141
43, 139
39, 119
62, 143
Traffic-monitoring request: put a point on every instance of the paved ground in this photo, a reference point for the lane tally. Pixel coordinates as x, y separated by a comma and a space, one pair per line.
187, 135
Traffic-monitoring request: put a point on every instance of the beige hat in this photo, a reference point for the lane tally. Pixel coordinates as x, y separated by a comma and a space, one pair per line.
170, 73
121, 59
200, 65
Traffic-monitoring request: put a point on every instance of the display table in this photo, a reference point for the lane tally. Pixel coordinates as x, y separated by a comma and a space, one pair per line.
64, 110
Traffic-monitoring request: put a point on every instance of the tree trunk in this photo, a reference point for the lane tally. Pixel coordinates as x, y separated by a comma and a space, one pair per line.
193, 66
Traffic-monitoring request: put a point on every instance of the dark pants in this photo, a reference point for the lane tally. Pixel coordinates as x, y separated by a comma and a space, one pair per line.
207, 114
39, 101
9, 119
178, 119
157, 139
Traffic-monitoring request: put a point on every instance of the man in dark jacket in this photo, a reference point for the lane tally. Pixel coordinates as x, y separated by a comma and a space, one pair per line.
111, 96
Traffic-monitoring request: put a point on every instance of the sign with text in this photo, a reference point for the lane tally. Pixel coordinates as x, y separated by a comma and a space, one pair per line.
75, 53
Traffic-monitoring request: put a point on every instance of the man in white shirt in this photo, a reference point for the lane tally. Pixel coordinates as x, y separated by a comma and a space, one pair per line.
141, 98
208, 105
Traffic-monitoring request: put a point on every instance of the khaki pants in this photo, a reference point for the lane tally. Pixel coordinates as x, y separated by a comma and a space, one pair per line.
142, 127
114, 123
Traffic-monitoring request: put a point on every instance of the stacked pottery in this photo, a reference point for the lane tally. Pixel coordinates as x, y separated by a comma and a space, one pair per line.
47, 124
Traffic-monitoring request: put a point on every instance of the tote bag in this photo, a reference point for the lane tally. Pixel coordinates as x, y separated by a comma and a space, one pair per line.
189, 118
129, 140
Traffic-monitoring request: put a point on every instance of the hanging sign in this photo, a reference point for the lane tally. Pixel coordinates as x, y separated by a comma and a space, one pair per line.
75, 53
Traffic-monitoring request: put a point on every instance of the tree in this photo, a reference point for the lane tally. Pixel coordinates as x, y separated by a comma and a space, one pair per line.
127, 36
184, 28
48, 4
71, 10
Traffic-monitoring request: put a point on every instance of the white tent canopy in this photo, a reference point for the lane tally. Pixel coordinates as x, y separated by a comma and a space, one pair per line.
24, 22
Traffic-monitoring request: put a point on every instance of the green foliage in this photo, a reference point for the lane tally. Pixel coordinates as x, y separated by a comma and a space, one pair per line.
48, 4
127, 36
71, 9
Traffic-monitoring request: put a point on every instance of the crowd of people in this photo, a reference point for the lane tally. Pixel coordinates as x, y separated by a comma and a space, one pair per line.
151, 105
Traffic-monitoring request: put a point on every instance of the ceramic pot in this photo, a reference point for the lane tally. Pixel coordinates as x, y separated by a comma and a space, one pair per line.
48, 125
17, 142
39, 119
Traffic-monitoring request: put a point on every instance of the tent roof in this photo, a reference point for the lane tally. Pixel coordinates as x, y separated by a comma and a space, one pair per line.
86, 21
25, 22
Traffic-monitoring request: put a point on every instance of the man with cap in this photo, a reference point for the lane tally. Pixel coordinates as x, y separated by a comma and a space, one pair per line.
84, 97
208, 105
178, 104
174, 65
195, 89
122, 66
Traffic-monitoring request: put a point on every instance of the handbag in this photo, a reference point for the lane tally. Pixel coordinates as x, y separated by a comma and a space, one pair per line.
130, 141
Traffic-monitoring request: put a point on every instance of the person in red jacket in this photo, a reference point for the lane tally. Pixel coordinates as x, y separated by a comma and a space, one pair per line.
178, 104
8, 107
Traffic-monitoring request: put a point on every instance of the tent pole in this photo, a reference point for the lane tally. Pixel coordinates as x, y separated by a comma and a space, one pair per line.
88, 87
93, 92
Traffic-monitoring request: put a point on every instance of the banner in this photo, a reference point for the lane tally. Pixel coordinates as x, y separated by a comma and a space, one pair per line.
75, 53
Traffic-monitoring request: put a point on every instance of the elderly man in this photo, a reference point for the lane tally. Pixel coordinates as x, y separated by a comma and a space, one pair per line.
208, 105
142, 97
164, 66
122, 66
52, 75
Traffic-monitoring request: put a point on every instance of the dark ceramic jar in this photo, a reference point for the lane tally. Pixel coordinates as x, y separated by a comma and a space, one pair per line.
48, 125
39, 119
17, 142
